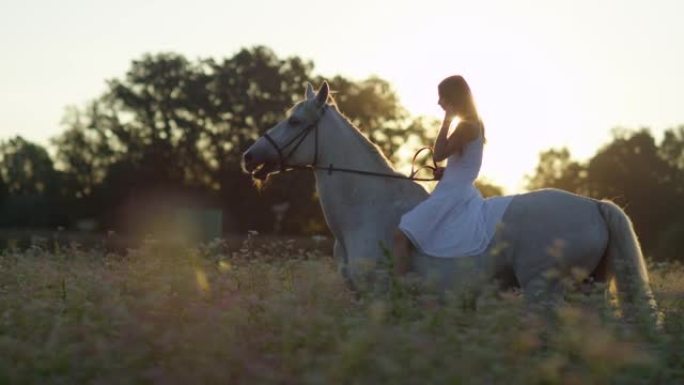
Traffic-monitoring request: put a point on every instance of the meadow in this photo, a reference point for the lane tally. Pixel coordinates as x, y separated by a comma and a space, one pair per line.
272, 312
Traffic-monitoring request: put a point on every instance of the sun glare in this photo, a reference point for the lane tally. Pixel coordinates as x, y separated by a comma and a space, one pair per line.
453, 125
525, 109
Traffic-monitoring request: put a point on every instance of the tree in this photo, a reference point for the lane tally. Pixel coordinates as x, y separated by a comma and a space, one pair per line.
31, 186
630, 171
84, 151
4, 191
488, 189
26, 168
557, 169
672, 147
671, 240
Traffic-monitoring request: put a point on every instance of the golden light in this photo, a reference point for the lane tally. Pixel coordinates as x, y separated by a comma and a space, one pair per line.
525, 107
224, 266
202, 281
453, 125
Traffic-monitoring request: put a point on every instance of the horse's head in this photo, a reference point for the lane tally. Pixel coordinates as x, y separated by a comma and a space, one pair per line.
292, 141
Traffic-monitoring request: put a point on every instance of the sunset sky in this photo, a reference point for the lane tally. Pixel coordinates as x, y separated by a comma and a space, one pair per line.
545, 73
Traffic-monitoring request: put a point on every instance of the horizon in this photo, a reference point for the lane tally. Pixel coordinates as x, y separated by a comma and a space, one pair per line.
544, 74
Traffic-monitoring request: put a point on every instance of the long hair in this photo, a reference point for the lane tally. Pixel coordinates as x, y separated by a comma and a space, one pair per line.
456, 92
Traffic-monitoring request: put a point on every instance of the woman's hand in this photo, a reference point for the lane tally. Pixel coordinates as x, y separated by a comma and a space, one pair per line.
438, 172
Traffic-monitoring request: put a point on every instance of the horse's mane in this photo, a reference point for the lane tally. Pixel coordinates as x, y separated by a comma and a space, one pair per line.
361, 138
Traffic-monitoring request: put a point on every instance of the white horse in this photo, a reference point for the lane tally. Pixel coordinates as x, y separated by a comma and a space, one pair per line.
546, 235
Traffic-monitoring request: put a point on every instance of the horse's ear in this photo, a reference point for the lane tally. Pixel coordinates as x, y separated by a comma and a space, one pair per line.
310, 93
322, 95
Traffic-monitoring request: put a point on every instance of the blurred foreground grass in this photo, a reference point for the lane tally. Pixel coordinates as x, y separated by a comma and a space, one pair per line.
279, 314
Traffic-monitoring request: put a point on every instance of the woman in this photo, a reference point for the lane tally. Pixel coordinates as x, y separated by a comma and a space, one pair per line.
452, 221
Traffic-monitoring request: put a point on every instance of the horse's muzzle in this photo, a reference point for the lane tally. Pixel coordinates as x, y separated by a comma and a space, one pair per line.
248, 163
258, 169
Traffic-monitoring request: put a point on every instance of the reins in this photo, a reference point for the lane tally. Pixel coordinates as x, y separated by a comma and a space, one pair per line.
284, 167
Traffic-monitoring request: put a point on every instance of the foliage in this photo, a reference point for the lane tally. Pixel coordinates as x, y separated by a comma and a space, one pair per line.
488, 189
557, 169
270, 313
25, 167
30, 189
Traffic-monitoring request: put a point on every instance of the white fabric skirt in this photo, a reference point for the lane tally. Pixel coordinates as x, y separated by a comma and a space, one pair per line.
458, 224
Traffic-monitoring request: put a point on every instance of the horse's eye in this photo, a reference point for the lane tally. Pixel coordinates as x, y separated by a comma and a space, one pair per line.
293, 121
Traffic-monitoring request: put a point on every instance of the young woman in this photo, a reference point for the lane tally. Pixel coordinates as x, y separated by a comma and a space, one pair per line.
451, 221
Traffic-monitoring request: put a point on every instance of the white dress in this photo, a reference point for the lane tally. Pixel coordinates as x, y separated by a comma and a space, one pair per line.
455, 220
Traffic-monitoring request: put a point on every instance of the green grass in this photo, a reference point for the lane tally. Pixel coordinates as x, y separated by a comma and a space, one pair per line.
276, 314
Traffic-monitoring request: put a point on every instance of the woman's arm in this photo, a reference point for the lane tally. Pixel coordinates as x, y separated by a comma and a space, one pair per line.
446, 146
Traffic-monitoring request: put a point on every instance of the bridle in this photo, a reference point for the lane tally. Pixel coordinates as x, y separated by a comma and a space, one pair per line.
299, 138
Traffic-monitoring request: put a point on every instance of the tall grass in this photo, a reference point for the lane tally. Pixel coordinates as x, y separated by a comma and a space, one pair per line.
275, 314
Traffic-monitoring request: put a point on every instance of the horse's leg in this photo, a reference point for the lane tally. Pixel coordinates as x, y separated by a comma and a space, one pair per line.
364, 258
402, 253
340, 255
543, 292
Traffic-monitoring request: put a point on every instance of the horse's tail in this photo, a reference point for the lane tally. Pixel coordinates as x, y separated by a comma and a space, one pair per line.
625, 263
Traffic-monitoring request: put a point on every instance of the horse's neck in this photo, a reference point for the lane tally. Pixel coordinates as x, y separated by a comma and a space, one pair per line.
342, 145
348, 198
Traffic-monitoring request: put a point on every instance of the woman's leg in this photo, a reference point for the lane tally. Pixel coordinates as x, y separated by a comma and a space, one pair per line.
402, 253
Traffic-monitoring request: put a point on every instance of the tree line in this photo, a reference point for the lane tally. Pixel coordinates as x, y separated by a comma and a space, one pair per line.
171, 132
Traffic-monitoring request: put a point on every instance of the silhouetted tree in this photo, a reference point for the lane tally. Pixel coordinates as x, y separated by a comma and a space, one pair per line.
488, 189
672, 147
85, 150
30, 185
25, 167
4, 191
671, 241
172, 124
630, 171
557, 169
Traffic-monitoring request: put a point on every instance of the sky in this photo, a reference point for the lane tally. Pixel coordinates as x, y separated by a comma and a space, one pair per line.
545, 73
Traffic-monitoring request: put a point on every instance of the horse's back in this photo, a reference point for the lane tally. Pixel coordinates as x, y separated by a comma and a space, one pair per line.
540, 231
547, 229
